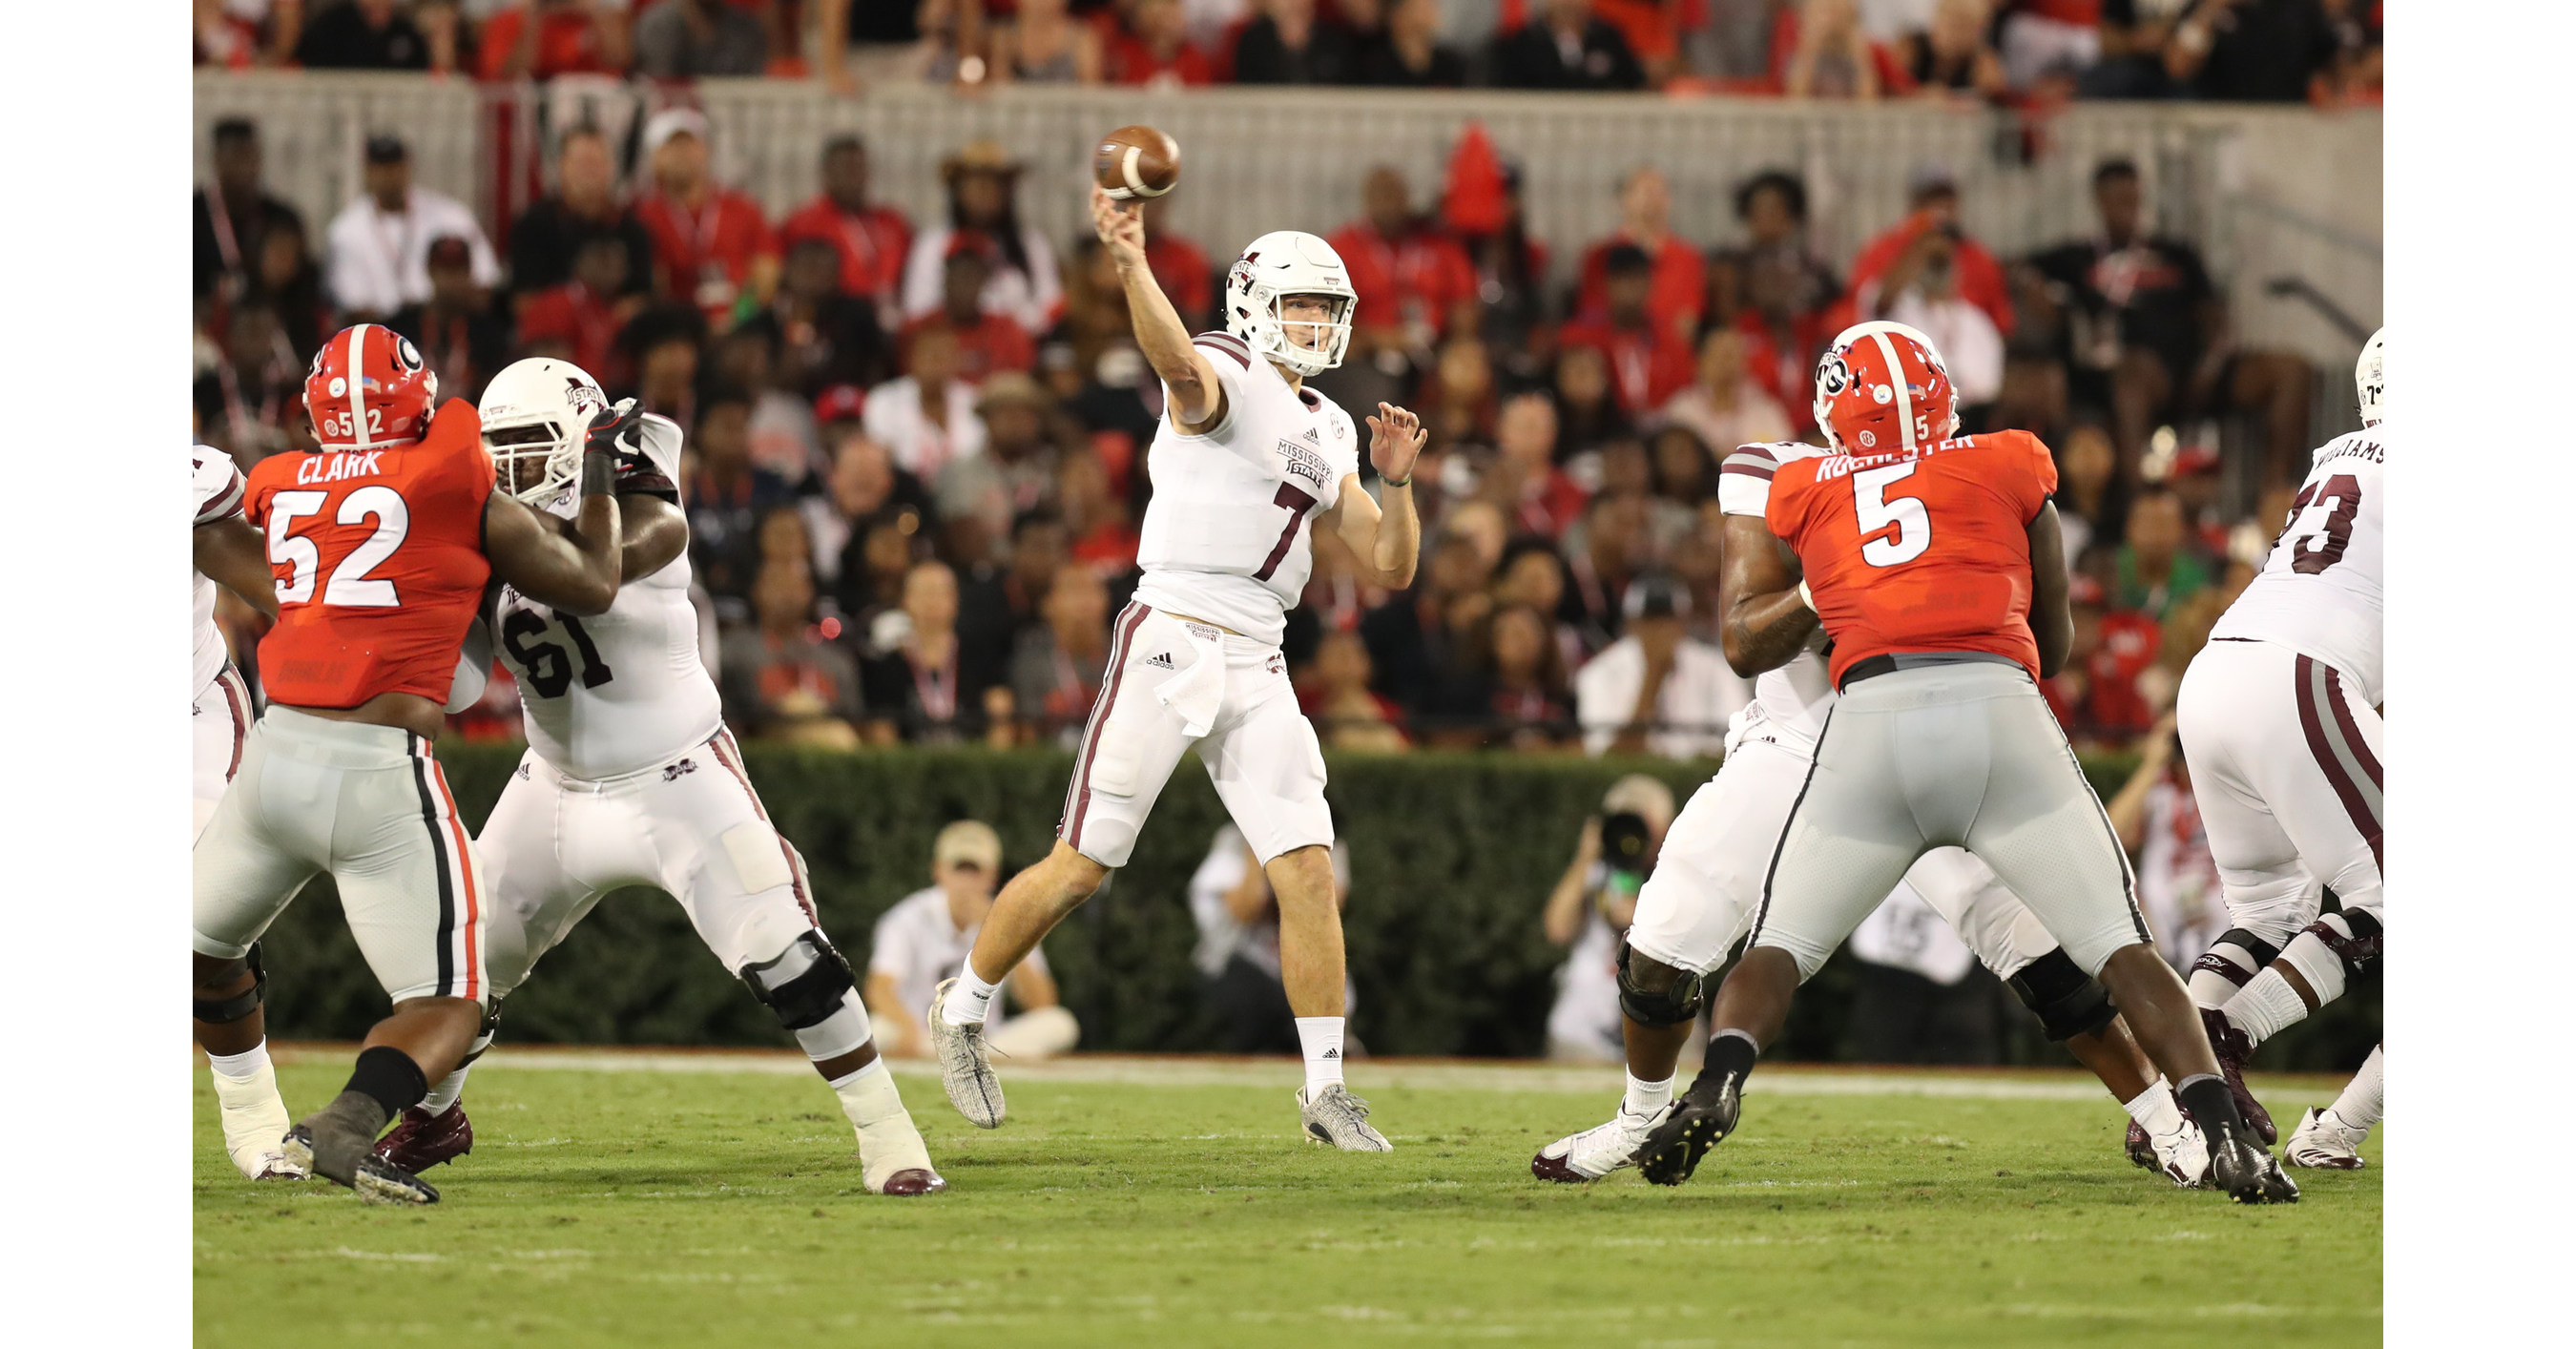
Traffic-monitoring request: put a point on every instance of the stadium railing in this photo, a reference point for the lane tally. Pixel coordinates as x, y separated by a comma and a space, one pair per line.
2255, 187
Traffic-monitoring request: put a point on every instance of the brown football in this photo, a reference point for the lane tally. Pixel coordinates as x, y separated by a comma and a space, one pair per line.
1136, 161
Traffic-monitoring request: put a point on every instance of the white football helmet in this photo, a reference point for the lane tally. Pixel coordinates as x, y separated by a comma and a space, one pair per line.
1277, 265
535, 415
2369, 382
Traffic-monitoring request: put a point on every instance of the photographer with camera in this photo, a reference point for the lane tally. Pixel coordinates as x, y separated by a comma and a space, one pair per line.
1591, 905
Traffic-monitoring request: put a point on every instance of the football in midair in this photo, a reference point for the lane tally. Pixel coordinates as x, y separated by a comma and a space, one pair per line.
1135, 162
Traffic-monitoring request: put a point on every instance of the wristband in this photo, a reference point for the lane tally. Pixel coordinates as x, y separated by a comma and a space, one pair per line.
598, 473
1806, 598
1405, 481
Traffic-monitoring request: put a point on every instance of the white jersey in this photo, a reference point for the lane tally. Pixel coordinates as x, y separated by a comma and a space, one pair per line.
918, 943
624, 691
1226, 535
1790, 702
219, 496
2319, 592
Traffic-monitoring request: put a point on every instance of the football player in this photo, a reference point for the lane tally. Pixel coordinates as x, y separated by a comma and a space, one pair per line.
2280, 721
379, 545
631, 778
1702, 894
1933, 563
2331, 1138
1247, 460
230, 553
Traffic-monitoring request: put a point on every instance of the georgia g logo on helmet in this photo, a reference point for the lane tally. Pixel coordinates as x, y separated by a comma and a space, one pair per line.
1832, 375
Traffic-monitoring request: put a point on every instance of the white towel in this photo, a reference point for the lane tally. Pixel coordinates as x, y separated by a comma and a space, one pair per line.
1195, 693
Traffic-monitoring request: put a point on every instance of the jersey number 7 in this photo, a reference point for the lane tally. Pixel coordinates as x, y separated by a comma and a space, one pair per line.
1875, 510
1298, 503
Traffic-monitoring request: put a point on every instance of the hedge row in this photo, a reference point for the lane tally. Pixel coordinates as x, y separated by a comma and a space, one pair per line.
1452, 854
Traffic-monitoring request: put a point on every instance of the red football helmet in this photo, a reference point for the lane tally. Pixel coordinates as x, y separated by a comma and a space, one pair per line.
369, 388
1880, 386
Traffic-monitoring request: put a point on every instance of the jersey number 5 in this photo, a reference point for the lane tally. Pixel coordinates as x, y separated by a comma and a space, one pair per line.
2321, 523
549, 669
1298, 503
350, 586
1876, 511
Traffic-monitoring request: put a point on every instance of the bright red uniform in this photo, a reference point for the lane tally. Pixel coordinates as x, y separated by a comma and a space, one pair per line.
379, 561
1925, 550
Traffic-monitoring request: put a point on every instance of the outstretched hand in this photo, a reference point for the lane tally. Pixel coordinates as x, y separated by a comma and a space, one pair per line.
1121, 225
1395, 441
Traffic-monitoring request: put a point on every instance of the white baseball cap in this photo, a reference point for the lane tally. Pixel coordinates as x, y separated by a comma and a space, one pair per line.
670, 122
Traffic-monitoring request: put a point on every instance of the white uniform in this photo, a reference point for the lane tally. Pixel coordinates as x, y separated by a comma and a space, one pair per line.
2277, 712
1225, 543
918, 943
219, 713
1707, 883
630, 779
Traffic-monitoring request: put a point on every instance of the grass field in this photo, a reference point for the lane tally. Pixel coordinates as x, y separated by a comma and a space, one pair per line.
714, 1199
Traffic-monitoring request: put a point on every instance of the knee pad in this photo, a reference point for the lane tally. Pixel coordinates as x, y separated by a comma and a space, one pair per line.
2352, 937
804, 985
225, 1011
2216, 959
1672, 1006
2067, 1001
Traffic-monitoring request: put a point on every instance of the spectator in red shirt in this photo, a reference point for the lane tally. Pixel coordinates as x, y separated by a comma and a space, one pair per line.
1180, 267
1410, 275
1153, 49
1524, 481
579, 321
1935, 198
711, 245
871, 240
986, 342
2096, 692
1648, 362
1680, 280
546, 38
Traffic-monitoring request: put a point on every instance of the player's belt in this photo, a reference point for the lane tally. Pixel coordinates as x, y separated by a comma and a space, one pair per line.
1871, 667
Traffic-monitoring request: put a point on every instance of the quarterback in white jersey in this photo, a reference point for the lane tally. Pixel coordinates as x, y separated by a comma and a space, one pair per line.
230, 552
1708, 882
2280, 723
630, 779
1247, 460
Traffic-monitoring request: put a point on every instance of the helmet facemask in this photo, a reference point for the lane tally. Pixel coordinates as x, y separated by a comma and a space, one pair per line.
1325, 336
537, 457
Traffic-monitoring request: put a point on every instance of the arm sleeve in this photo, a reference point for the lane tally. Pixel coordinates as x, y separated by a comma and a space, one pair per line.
220, 486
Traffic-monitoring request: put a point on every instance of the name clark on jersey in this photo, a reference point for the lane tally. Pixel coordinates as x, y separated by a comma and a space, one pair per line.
333, 467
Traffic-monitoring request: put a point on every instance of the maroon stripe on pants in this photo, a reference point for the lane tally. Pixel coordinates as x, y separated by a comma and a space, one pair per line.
236, 698
2356, 807
1079, 794
2351, 730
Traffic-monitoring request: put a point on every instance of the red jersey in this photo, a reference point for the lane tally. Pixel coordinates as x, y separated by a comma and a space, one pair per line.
585, 322
379, 562
1680, 285
1647, 365
1423, 274
872, 245
704, 254
1922, 552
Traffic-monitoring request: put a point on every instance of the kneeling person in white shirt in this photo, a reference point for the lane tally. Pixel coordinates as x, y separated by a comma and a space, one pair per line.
928, 933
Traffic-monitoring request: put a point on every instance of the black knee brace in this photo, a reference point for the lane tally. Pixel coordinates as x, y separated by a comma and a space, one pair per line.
2264, 954
225, 1011
2355, 950
804, 985
1672, 1006
2067, 1001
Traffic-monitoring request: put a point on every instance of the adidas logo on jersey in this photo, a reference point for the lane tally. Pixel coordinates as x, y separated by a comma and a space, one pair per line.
1312, 438
1161, 660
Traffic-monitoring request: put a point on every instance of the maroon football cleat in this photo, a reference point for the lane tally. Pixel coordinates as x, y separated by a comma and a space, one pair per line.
915, 1181
2233, 1049
2142, 1150
421, 1140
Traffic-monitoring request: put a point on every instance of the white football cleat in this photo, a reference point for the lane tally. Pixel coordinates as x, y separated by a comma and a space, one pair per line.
2324, 1141
1335, 1116
255, 1123
965, 1066
1599, 1150
2182, 1155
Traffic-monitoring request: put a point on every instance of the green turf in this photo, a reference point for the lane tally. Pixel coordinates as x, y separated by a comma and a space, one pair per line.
649, 1208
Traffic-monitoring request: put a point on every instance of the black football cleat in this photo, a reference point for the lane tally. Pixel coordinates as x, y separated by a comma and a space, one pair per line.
1700, 1120
421, 1140
2247, 1172
2233, 1049
347, 1162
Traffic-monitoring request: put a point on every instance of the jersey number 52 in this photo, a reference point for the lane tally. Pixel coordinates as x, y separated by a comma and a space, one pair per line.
350, 586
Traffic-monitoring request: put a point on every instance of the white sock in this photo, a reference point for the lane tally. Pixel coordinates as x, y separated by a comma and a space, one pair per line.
243, 1066
442, 1098
1321, 1038
2154, 1109
1644, 1097
972, 999
2365, 1097
2267, 1006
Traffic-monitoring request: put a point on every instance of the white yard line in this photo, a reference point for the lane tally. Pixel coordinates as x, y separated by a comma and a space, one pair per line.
1414, 1074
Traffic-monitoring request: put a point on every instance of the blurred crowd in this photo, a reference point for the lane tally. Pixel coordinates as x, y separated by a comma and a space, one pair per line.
2006, 51
915, 464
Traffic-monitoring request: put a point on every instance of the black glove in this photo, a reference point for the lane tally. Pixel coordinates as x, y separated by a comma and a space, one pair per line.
618, 430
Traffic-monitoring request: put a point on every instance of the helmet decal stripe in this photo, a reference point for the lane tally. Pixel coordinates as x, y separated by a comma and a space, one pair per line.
358, 385
1896, 381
